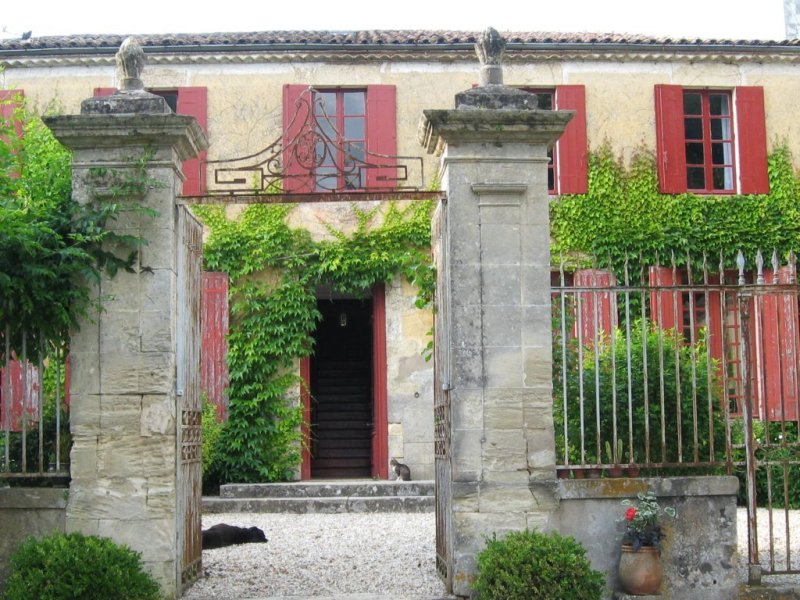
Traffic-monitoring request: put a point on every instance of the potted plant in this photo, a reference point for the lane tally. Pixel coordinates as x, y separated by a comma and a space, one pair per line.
640, 571
615, 460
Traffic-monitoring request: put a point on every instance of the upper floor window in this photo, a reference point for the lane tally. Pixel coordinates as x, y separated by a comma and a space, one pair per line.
354, 138
341, 118
567, 172
711, 141
708, 129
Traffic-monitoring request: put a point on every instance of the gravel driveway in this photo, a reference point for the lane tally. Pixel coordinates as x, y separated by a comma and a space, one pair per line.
380, 554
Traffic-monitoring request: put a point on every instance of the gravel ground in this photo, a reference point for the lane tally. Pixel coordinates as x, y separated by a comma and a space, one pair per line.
379, 555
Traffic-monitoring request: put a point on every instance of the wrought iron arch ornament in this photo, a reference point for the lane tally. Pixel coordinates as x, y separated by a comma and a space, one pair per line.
351, 171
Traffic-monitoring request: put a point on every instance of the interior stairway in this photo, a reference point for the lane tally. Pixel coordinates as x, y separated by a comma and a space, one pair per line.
303, 497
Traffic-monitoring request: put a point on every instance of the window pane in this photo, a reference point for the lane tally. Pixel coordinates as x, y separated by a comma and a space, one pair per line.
692, 104
723, 178
693, 129
327, 128
326, 104
721, 153
694, 154
544, 100
354, 103
355, 151
696, 178
326, 178
325, 153
720, 129
354, 128
720, 104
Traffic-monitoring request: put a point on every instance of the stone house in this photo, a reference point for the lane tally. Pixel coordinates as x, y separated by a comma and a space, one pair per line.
710, 111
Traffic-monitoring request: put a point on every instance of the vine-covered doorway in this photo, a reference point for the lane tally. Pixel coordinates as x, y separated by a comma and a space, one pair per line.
340, 409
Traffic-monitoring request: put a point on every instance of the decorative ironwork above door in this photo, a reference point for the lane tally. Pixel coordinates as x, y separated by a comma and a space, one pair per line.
323, 155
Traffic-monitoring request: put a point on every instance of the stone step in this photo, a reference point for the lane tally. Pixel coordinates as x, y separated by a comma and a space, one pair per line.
328, 489
320, 505
303, 497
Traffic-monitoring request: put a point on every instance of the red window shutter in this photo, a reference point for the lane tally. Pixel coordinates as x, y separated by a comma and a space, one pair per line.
666, 306
23, 379
670, 143
572, 147
751, 138
597, 307
298, 156
103, 91
193, 102
382, 135
214, 346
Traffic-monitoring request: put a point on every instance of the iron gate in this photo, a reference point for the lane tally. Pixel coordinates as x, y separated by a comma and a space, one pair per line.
769, 315
441, 396
189, 475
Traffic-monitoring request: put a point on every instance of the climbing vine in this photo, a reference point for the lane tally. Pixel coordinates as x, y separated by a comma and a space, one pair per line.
275, 270
623, 214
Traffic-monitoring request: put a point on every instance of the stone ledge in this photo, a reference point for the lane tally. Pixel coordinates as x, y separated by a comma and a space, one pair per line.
34, 498
702, 485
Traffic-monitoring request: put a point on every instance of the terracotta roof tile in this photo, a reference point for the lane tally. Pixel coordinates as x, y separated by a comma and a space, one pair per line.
90, 42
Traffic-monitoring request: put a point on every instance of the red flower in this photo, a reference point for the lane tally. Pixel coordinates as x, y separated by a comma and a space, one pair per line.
630, 513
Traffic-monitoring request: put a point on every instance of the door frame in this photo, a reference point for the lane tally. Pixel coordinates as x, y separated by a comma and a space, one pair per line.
380, 420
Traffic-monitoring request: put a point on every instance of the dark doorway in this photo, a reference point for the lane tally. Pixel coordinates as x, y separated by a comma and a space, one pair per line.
341, 390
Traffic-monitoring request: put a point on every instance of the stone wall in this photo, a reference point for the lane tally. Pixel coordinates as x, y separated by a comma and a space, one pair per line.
699, 552
28, 512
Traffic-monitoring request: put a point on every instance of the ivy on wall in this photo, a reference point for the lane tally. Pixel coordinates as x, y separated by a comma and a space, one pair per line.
275, 270
623, 213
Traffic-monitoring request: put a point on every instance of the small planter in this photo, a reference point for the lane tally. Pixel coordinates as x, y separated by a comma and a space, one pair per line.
640, 572
632, 471
593, 473
616, 472
563, 473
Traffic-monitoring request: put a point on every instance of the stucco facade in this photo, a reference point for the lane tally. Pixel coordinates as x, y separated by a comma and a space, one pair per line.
244, 81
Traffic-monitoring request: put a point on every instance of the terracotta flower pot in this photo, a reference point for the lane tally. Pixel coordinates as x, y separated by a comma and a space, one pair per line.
640, 573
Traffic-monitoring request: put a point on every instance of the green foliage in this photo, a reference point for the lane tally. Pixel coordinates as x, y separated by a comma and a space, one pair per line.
528, 565
642, 526
65, 567
211, 435
275, 270
658, 402
778, 463
51, 247
623, 213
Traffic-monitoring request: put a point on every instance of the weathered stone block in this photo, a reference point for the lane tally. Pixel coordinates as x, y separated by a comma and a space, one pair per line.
505, 450
153, 538
503, 367
502, 326
538, 367
144, 373
500, 243
85, 369
495, 497
84, 419
115, 499
157, 332
157, 416
466, 408
120, 415
501, 285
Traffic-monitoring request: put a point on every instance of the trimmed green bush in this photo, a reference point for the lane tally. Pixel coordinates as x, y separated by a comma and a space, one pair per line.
529, 565
69, 566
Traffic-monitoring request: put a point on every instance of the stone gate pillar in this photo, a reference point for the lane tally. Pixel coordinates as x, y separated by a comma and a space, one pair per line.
123, 421
497, 297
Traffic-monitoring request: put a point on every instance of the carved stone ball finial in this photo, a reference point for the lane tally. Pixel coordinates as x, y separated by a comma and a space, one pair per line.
130, 64
490, 48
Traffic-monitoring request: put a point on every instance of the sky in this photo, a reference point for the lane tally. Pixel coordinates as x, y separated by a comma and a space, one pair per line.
722, 19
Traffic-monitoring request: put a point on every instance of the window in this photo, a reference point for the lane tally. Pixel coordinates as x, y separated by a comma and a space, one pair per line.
568, 169
193, 102
350, 126
711, 141
341, 117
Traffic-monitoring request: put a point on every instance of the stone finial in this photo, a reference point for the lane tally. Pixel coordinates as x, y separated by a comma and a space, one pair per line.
130, 64
490, 48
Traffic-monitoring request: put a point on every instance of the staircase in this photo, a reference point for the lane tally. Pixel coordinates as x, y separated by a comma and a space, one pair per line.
324, 497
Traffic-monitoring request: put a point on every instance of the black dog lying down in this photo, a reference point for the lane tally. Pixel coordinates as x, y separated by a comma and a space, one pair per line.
222, 535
